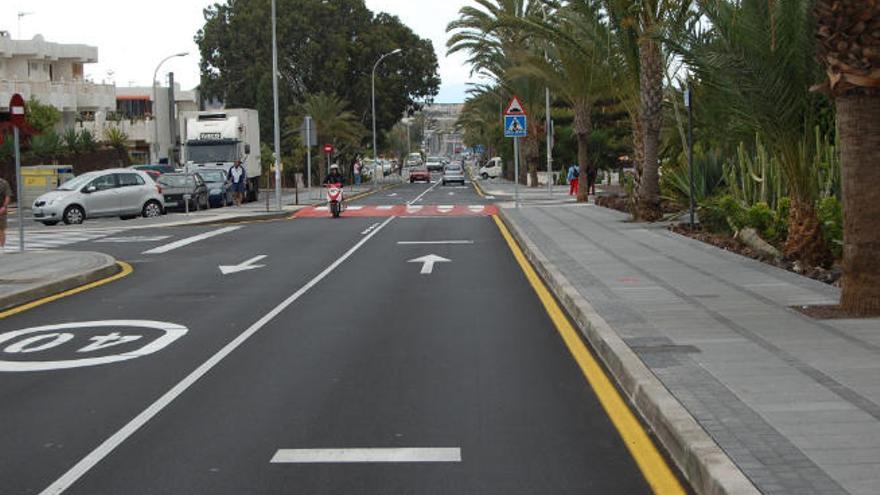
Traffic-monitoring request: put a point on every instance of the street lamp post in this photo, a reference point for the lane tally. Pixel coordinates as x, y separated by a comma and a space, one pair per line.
275, 104
155, 106
375, 66
547, 126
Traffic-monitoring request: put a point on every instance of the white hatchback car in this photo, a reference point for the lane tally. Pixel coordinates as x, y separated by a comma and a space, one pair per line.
125, 193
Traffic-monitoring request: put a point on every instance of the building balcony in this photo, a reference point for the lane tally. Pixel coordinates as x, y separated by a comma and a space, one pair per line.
72, 96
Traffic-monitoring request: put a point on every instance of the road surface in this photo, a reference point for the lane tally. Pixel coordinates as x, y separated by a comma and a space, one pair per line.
398, 349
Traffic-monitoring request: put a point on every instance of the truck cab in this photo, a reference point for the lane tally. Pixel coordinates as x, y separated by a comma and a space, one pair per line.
216, 139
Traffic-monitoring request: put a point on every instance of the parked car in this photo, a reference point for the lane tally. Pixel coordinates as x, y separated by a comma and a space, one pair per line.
219, 186
419, 174
125, 193
491, 169
176, 186
162, 168
434, 164
453, 172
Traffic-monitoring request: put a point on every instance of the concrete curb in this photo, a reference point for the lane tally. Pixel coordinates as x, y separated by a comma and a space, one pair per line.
107, 268
704, 464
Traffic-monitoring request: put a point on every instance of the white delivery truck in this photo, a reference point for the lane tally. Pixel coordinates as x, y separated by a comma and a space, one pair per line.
215, 139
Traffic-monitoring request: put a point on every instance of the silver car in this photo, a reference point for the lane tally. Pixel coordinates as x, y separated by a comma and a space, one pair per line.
453, 173
124, 193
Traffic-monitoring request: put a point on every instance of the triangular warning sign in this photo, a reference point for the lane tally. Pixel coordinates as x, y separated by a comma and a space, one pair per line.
514, 107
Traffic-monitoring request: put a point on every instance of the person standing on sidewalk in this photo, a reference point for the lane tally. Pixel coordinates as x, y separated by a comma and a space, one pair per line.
573, 179
5, 199
592, 174
357, 171
238, 176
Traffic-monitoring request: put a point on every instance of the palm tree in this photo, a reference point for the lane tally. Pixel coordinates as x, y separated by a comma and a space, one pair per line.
577, 68
849, 49
639, 26
756, 58
334, 123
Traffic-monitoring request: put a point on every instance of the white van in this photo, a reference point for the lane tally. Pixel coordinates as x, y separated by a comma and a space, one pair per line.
492, 169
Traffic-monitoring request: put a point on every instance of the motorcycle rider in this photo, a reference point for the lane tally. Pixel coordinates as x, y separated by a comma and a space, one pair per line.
335, 175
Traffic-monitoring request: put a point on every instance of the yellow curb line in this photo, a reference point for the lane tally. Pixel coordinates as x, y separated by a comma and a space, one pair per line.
125, 270
652, 464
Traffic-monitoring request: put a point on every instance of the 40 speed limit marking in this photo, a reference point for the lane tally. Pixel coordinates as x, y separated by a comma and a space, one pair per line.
87, 343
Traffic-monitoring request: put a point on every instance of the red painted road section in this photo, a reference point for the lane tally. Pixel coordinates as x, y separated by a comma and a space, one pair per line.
404, 211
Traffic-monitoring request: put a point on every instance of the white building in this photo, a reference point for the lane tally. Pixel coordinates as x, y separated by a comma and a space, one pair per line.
53, 74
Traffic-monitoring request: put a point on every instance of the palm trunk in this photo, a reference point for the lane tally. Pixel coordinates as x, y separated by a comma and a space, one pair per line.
583, 142
805, 242
858, 126
651, 93
638, 159
582, 127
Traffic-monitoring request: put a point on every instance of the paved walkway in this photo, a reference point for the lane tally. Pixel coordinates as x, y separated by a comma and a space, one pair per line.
28, 276
793, 401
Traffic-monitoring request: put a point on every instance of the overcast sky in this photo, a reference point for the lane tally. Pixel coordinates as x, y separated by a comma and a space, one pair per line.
132, 36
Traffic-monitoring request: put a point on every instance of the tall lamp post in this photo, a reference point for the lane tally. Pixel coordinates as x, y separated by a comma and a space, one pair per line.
155, 106
275, 105
375, 66
547, 125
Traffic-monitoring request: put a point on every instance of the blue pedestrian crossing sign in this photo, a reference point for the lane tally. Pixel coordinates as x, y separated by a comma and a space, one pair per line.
515, 126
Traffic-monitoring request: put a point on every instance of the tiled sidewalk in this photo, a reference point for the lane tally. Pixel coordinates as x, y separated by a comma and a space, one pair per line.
794, 402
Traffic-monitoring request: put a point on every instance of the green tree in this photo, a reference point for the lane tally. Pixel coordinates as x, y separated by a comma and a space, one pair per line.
334, 123
323, 47
42, 117
758, 59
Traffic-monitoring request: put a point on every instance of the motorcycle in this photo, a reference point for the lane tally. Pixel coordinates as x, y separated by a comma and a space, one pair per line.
335, 199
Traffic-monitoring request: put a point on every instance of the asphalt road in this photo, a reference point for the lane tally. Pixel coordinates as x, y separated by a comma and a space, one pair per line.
336, 342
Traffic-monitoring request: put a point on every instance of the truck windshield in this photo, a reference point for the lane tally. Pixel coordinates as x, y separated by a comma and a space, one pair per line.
208, 153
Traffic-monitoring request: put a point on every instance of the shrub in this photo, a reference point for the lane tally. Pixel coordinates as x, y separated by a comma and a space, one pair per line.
87, 141
71, 140
763, 219
831, 217
783, 209
46, 146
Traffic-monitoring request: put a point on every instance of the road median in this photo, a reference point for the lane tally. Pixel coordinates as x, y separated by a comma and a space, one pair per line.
28, 278
703, 463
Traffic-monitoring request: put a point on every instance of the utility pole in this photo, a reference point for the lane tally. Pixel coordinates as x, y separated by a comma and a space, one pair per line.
375, 141
547, 126
155, 146
309, 154
275, 103
688, 101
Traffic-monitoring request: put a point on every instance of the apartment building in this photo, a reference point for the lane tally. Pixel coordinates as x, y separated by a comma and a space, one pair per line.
53, 74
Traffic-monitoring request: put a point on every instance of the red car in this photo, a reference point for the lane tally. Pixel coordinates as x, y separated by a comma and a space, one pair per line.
419, 174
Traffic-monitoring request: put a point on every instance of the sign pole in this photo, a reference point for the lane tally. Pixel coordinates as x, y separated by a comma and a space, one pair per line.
309, 155
19, 197
516, 170
690, 104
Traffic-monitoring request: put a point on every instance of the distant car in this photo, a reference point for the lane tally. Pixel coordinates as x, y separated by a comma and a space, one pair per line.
453, 172
120, 192
413, 160
219, 186
419, 174
491, 169
152, 173
162, 168
176, 186
434, 164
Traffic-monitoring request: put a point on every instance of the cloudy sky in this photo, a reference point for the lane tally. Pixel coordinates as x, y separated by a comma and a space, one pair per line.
132, 36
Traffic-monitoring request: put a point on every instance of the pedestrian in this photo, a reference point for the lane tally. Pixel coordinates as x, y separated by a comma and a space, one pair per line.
574, 173
238, 176
5, 199
357, 171
592, 173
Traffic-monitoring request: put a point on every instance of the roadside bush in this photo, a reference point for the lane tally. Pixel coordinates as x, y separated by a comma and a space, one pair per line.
783, 208
763, 219
71, 141
831, 217
46, 146
712, 217
87, 141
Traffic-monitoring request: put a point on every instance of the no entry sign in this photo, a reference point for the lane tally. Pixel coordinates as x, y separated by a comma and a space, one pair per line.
328, 148
16, 110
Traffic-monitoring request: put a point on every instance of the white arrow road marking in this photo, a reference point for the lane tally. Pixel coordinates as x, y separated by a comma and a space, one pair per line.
242, 267
428, 261
189, 240
333, 456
